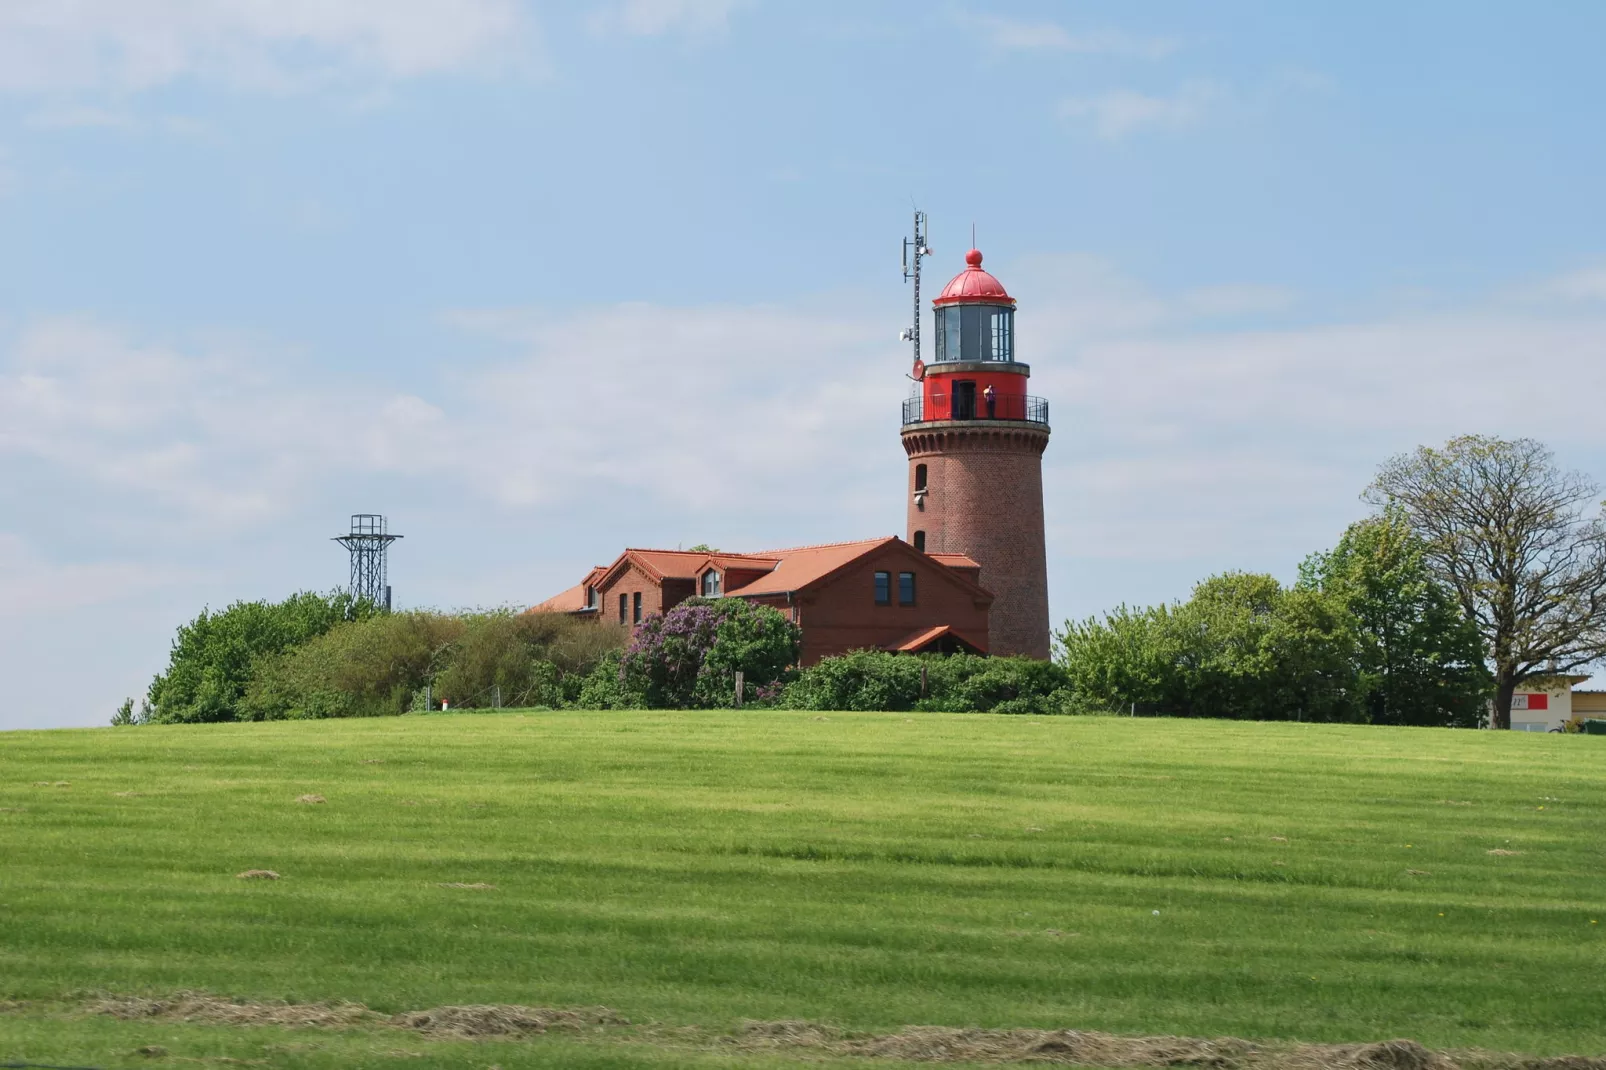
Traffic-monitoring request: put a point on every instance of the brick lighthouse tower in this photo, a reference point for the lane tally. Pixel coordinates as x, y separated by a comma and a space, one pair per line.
975, 441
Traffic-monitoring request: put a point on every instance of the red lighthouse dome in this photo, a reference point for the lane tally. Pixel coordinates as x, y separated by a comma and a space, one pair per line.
973, 284
975, 317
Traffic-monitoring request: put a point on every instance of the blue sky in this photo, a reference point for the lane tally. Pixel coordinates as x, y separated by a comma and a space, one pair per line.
540, 281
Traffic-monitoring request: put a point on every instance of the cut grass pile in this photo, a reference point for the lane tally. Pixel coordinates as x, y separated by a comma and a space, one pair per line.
857, 872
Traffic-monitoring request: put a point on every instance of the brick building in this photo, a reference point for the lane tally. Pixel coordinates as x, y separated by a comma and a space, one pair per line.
878, 594
972, 574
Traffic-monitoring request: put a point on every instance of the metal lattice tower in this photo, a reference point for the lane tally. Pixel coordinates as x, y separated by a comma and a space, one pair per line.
914, 249
369, 541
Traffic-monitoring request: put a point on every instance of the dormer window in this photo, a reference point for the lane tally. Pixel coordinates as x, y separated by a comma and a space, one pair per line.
711, 584
591, 598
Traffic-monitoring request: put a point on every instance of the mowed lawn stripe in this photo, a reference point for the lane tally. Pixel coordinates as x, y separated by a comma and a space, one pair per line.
1324, 883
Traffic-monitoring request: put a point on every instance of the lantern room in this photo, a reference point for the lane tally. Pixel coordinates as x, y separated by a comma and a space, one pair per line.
975, 317
974, 374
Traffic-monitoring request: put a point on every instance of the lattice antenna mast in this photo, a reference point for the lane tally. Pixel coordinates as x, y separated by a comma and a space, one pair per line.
914, 249
369, 542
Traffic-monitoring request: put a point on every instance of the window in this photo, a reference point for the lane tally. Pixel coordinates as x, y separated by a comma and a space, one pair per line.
920, 477
624, 609
920, 541
591, 598
1002, 334
710, 584
906, 588
975, 332
883, 588
950, 345
635, 610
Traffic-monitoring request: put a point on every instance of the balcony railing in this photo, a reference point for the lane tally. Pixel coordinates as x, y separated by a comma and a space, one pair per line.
966, 407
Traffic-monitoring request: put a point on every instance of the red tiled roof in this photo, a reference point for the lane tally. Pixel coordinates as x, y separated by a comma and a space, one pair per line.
955, 560
803, 565
754, 562
665, 564
915, 642
571, 601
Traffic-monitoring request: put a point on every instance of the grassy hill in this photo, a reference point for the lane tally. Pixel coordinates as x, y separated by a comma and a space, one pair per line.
867, 871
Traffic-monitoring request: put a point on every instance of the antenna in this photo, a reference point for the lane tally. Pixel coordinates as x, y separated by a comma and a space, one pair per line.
916, 248
369, 540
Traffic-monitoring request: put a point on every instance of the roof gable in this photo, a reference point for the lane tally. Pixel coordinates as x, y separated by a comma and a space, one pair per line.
810, 567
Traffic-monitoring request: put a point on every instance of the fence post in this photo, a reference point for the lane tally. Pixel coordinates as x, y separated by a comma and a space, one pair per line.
922, 679
429, 698
741, 681
497, 696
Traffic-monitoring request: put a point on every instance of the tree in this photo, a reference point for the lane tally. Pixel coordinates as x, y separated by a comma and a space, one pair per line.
1242, 646
212, 656
1256, 651
1509, 533
1419, 658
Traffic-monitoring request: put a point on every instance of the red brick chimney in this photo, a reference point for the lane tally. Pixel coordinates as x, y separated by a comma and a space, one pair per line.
975, 441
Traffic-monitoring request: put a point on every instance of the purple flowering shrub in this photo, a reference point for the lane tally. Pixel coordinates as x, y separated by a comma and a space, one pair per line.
689, 656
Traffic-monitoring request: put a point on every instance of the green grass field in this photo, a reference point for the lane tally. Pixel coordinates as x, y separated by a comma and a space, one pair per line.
871, 871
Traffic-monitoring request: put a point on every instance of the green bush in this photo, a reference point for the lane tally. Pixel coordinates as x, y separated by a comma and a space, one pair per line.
1243, 646
962, 683
214, 655
366, 668
602, 688
523, 659
381, 666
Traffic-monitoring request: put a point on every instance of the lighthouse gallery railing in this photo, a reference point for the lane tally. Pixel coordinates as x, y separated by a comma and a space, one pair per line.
943, 407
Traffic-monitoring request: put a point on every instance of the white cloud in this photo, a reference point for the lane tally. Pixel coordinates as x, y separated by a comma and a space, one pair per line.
1119, 112
73, 118
205, 439
683, 405
120, 45
1015, 35
1588, 284
34, 586
1250, 447
651, 18
675, 407
215, 438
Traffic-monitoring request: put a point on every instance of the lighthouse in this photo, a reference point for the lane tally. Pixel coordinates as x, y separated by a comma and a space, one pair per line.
975, 440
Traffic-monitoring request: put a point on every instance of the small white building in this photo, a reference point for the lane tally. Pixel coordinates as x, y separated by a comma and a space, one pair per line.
1547, 704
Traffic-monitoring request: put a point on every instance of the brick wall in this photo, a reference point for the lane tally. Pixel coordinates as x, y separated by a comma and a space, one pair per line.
629, 583
842, 615
984, 498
